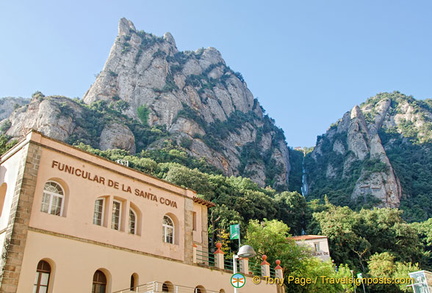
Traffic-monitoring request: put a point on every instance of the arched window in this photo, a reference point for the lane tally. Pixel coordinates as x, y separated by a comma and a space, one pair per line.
116, 215
133, 282
168, 230
167, 287
41, 281
52, 199
99, 282
199, 289
132, 222
98, 212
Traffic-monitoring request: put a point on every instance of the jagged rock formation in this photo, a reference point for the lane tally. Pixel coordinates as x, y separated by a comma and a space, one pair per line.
47, 115
204, 106
9, 104
354, 162
198, 98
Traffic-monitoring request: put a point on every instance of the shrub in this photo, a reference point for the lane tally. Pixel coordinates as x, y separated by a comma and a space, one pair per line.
143, 114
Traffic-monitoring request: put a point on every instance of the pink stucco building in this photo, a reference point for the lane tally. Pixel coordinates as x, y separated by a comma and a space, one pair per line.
71, 221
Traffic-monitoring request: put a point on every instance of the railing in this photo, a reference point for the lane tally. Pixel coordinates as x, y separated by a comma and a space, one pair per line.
205, 258
218, 260
158, 287
148, 287
255, 269
272, 272
228, 264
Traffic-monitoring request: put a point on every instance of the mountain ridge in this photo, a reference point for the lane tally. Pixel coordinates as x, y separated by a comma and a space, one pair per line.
151, 96
189, 99
358, 155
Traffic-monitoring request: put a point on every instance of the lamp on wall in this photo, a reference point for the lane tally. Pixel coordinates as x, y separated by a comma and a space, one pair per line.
246, 251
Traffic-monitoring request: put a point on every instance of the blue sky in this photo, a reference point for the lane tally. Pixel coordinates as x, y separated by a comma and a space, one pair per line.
307, 62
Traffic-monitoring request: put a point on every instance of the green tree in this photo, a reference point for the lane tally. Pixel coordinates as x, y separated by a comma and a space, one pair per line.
270, 238
355, 236
220, 218
293, 210
337, 223
424, 230
384, 266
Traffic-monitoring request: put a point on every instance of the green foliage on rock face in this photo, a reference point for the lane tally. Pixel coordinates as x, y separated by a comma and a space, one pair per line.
5, 125
148, 39
374, 166
413, 166
38, 95
143, 114
126, 47
417, 126
407, 140
92, 119
340, 185
251, 152
6, 143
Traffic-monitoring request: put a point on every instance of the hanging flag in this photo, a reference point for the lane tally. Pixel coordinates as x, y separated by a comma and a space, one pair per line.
235, 231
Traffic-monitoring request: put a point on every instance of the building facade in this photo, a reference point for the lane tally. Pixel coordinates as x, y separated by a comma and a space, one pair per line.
318, 245
74, 222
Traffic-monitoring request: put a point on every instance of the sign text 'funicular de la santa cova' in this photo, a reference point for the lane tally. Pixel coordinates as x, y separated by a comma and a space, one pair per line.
111, 183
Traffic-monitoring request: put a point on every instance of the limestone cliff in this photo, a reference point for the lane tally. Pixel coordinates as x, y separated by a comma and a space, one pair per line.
191, 99
351, 162
199, 100
9, 104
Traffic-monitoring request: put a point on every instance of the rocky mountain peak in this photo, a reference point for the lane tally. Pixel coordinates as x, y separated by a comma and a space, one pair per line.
189, 99
169, 39
356, 113
352, 152
125, 27
378, 154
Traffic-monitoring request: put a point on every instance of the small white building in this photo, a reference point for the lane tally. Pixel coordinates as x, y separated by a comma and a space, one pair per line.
422, 281
318, 244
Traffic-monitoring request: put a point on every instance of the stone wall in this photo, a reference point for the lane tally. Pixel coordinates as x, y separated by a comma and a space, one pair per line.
16, 232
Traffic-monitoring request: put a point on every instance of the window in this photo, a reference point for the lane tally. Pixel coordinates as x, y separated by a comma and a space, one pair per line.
168, 230
98, 212
199, 289
3, 189
167, 287
116, 215
41, 281
194, 221
115, 212
132, 221
99, 282
133, 282
316, 246
52, 199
